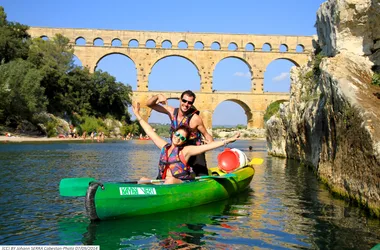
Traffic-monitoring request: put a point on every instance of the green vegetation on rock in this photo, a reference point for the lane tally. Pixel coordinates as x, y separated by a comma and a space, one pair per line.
376, 79
272, 109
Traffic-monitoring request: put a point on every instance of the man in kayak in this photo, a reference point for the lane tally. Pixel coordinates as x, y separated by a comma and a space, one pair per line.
188, 115
173, 166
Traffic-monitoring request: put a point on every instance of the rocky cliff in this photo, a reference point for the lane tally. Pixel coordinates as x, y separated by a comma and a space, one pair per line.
332, 121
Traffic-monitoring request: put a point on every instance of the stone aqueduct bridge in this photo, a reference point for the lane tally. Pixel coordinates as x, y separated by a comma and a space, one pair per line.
204, 50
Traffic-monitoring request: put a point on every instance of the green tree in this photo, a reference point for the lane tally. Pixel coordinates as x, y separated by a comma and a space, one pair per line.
55, 54
55, 59
162, 129
77, 91
20, 91
14, 39
73, 89
133, 128
110, 96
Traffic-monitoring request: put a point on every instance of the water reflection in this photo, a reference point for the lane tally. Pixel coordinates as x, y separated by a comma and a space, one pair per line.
186, 227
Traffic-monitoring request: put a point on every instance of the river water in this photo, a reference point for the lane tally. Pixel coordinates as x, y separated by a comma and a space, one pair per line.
284, 208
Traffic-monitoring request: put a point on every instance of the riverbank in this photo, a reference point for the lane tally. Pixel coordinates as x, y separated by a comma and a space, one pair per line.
245, 134
36, 139
5, 139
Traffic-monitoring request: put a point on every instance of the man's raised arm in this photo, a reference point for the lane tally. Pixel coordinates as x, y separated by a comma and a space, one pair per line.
154, 103
201, 128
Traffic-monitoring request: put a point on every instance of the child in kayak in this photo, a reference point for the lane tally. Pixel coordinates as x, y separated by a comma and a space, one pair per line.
173, 167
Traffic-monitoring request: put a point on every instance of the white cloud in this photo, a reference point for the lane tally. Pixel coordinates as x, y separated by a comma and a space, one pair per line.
282, 76
241, 74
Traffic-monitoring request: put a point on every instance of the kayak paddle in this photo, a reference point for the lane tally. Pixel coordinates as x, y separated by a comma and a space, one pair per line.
256, 161
216, 176
74, 186
77, 187
196, 178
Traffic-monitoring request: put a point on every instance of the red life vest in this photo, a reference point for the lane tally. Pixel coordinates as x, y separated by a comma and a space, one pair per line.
175, 162
195, 136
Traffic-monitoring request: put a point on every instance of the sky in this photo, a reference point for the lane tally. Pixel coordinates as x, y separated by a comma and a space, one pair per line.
270, 17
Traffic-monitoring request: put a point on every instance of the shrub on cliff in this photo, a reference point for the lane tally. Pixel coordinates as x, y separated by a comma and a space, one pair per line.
272, 109
376, 79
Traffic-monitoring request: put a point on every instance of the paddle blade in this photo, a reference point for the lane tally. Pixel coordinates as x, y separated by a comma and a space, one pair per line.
216, 176
74, 187
256, 161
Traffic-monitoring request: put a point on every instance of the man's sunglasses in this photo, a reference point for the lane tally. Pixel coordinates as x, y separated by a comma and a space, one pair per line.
186, 101
181, 137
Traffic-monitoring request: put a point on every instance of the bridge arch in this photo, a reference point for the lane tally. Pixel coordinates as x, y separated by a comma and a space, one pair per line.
267, 47
300, 48
215, 46
77, 61
247, 110
174, 55
233, 46
116, 42
283, 48
194, 83
283, 58
98, 41
277, 74
166, 44
80, 41
250, 47
150, 43
113, 53
199, 45
182, 45
133, 43
234, 57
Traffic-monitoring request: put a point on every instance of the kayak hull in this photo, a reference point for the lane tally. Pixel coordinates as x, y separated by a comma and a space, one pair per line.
120, 200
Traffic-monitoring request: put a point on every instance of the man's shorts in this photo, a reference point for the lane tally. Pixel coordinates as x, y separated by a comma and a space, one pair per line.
199, 165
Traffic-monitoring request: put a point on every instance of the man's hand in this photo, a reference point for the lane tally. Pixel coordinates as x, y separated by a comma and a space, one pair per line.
161, 99
205, 141
155, 101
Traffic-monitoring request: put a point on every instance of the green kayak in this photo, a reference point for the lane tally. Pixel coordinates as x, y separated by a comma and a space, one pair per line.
114, 200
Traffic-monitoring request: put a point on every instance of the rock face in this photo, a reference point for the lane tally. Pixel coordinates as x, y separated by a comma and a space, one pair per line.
332, 121
351, 26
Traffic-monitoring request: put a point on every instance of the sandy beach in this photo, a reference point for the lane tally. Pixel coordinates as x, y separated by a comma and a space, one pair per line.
36, 139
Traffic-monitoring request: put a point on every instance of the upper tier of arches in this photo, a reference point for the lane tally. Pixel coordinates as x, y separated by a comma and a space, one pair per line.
180, 40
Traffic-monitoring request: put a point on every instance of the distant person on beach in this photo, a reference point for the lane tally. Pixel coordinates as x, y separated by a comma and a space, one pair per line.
128, 137
101, 137
250, 148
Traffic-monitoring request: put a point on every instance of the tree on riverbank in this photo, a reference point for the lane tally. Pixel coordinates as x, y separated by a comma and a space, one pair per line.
39, 75
14, 39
